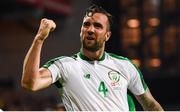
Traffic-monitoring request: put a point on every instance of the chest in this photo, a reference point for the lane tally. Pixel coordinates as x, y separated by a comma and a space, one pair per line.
102, 78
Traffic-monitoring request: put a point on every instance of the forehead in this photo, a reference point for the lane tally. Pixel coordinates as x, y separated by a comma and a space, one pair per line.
97, 17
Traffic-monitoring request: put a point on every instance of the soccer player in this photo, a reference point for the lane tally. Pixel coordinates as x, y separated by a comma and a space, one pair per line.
91, 80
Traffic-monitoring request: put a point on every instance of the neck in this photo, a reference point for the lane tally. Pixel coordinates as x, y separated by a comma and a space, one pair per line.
97, 55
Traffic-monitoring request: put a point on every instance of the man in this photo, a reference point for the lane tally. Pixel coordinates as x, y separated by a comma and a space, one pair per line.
91, 79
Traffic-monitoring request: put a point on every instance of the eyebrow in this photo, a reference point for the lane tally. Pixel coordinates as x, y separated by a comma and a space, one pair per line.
98, 24
86, 23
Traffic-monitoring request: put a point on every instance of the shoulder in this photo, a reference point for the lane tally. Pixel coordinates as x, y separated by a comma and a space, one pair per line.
115, 56
123, 60
61, 59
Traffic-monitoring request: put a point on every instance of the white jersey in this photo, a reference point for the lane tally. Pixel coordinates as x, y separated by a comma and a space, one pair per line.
96, 85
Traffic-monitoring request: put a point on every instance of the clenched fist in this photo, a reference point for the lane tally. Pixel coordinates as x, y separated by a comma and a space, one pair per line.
45, 27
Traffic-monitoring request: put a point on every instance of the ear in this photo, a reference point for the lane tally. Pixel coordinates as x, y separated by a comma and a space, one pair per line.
108, 34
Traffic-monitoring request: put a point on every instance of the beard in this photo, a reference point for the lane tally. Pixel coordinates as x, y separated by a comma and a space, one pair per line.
93, 47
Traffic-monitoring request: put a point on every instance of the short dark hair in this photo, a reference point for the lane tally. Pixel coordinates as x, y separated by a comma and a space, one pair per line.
98, 9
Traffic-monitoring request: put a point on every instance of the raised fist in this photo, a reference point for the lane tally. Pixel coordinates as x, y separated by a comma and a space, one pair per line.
45, 27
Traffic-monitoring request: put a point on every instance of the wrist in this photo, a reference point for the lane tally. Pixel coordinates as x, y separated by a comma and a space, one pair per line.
39, 39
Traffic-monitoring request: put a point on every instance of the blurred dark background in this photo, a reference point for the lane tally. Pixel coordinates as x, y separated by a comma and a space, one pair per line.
145, 31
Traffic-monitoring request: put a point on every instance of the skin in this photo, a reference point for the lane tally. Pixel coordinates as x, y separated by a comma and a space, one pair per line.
94, 34
33, 77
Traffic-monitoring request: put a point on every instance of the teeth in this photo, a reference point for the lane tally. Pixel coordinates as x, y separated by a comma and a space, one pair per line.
90, 38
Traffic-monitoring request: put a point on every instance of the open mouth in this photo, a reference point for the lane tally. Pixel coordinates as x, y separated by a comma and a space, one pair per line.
90, 38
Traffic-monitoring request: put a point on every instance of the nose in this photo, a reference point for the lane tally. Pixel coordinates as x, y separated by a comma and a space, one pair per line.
90, 33
90, 30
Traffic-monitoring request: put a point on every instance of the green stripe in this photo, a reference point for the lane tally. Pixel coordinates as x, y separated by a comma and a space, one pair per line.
74, 56
139, 72
50, 62
58, 84
131, 103
82, 56
118, 57
142, 79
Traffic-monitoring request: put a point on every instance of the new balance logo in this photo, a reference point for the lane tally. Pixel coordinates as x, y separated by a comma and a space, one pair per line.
87, 76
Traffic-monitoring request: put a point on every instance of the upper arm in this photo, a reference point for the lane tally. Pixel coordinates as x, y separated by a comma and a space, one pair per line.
148, 102
44, 79
37, 81
136, 84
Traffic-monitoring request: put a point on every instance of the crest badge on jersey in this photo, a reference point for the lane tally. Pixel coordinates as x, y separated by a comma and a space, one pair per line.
114, 76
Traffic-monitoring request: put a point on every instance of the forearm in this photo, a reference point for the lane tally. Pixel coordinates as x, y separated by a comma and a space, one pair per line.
148, 102
31, 64
152, 106
34, 78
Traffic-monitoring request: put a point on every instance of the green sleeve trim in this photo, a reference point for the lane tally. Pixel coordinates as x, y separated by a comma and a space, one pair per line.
58, 84
141, 76
50, 62
74, 56
131, 103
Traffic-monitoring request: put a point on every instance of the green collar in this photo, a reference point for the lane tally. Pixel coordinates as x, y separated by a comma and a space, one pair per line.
82, 56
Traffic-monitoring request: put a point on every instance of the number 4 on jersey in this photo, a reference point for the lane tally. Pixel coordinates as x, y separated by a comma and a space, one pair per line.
102, 89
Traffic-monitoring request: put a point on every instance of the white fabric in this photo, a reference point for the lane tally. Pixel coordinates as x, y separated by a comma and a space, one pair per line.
81, 82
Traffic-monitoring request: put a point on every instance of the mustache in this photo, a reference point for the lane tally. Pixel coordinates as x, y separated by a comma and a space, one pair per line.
90, 37
90, 33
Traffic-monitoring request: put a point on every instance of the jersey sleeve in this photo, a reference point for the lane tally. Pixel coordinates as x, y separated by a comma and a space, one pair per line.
137, 84
55, 67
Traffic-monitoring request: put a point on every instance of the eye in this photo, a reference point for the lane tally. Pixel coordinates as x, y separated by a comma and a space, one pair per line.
98, 25
86, 24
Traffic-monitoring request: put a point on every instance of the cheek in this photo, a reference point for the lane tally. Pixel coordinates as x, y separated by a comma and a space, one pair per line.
81, 33
103, 37
81, 37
